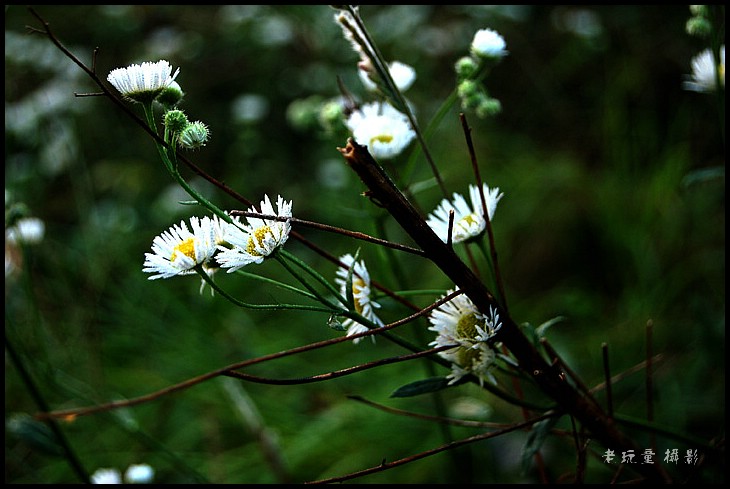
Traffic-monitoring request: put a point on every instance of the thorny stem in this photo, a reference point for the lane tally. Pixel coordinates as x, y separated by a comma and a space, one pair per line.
548, 379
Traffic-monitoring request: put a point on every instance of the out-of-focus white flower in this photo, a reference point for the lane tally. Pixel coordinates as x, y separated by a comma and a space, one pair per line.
254, 241
703, 77
26, 230
106, 476
178, 250
382, 128
469, 222
488, 43
360, 294
459, 323
139, 474
403, 75
142, 83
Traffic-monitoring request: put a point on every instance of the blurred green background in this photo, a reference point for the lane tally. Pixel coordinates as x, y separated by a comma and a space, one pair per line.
613, 215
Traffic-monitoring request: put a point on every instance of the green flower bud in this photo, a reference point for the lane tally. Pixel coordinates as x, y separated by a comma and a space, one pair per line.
698, 26
466, 68
171, 95
194, 135
176, 121
467, 88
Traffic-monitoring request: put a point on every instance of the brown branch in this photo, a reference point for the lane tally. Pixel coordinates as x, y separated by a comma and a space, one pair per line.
548, 379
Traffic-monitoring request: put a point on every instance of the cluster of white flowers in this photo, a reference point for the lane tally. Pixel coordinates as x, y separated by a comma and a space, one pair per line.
179, 250
459, 323
469, 222
360, 293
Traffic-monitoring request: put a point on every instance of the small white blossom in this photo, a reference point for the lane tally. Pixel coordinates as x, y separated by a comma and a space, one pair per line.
469, 221
178, 250
402, 74
488, 43
382, 128
106, 476
459, 323
139, 474
703, 72
254, 241
360, 294
142, 83
26, 230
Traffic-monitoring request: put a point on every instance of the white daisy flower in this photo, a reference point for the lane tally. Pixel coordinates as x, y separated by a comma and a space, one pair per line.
106, 476
252, 242
142, 83
379, 126
403, 75
178, 250
459, 323
488, 43
469, 222
703, 72
360, 294
139, 474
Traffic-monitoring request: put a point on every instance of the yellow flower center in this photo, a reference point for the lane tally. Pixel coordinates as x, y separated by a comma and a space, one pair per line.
186, 248
259, 234
357, 285
466, 327
467, 221
382, 138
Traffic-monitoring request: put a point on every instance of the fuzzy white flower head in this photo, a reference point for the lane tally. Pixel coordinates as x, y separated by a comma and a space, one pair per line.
139, 474
382, 128
703, 72
352, 32
403, 75
488, 43
254, 241
469, 221
179, 249
360, 294
106, 476
142, 83
459, 323
26, 230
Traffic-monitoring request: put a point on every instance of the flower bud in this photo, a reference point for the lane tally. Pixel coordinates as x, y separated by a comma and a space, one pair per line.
176, 121
171, 95
194, 135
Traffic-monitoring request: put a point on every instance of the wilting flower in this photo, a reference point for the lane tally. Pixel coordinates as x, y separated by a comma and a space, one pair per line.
488, 43
703, 77
360, 294
179, 250
469, 222
142, 83
254, 241
402, 74
382, 128
459, 323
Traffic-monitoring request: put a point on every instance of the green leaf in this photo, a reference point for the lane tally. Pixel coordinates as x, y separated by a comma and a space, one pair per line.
536, 438
418, 387
35, 433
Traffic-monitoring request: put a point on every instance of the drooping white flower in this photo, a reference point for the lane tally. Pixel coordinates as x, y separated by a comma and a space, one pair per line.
106, 476
488, 43
469, 221
139, 474
403, 75
143, 82
459, 323
257, 239
703, 77
179, 249
382, 128
364, 305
